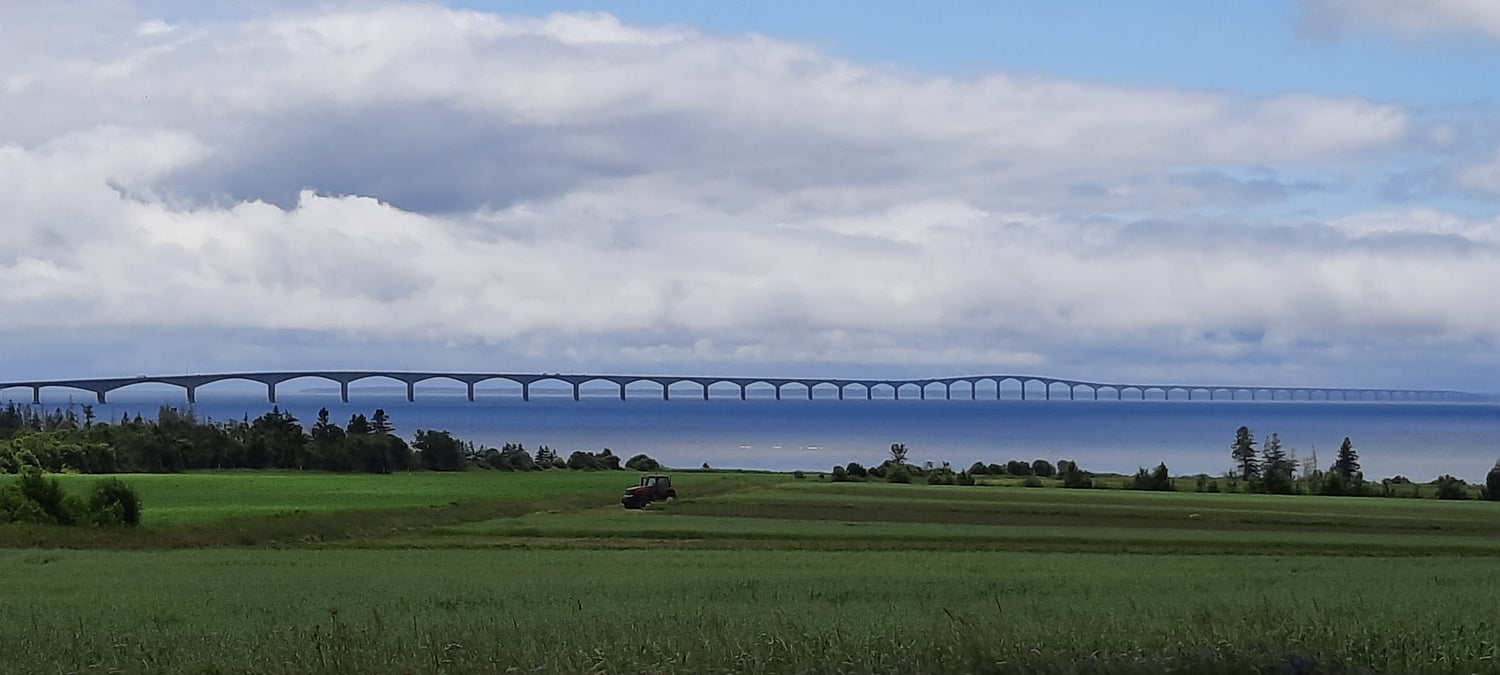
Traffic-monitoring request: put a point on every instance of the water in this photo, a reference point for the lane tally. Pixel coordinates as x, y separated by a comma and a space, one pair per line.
1419, 440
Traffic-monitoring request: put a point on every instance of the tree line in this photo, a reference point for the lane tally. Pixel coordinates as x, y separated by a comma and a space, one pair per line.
76, 441
1274, 470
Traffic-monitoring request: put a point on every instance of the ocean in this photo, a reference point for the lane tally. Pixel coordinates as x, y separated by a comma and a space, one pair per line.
1418, 440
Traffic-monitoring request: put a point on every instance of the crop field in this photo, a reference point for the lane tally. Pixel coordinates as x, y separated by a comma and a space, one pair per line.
758, 573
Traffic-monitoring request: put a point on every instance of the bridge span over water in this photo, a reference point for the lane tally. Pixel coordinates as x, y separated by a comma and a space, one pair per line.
1029, 386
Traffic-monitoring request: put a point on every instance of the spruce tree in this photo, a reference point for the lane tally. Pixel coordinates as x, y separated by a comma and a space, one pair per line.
1277, 468
1243, 452
380, 423
1347, 463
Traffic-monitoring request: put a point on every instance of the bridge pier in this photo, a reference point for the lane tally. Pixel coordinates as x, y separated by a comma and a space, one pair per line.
705, 390
411, 392
471, 391
666, 392
100, 394
809, 392
841, 392
344, 392
778, 392
575, 391
742, 391
622, 390
525, 391
270, 392
36, 395
192, 394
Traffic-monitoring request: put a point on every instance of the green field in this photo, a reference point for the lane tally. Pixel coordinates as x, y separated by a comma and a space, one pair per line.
754, 573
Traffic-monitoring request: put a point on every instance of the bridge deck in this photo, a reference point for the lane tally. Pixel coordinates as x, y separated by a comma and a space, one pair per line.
1029, 386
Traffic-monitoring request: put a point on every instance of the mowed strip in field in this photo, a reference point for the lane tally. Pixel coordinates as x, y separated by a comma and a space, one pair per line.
814, 514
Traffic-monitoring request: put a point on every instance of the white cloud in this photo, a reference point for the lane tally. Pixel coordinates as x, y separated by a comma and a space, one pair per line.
570, 185
1416, 17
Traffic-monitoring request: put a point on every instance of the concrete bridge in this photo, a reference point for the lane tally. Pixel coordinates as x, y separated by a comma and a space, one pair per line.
1030, 386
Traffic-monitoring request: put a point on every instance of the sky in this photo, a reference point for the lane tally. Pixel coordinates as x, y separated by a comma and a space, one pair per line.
1288, 192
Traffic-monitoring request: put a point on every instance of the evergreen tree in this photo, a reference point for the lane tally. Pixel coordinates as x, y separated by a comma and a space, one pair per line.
358, 425
1277, 469
380, 423
1347, 464
1243, 452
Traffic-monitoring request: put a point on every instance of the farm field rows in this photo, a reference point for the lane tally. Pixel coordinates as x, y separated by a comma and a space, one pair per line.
757, 573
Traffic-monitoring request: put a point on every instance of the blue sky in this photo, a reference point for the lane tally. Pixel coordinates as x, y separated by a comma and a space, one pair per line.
1254, 48
1281, 193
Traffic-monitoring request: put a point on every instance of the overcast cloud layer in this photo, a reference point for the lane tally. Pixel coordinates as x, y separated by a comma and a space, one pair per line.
409, 186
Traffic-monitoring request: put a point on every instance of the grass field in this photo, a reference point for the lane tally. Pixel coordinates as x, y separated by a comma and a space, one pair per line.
207, 497
759, 573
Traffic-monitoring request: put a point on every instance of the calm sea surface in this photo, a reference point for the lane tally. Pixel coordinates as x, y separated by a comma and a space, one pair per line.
1419, 440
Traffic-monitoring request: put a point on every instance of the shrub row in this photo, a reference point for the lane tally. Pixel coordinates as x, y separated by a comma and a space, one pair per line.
35, 498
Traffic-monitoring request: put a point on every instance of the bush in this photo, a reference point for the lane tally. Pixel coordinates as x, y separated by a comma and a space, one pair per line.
112, 501
964, 478
607, 460
1492, 484
1073, 477
1043, 468
978, 469
47, 494
941, 477
856, 471
798, 474
1032, 481
583, 460
840, 474
1451, 487
996, 469
1158, 479
513, 458
642, 463
16, 508
900, 473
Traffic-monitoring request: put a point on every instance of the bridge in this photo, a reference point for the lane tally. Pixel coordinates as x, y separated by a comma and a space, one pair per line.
1032, 386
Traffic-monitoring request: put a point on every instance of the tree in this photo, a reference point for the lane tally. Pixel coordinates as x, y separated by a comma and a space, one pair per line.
380, 423
358, 425
1017, 467
898, 453
547, 458
1492, 484
440, 450
1347, 464
856, 470
1277, 470
1042, 468
1243, 452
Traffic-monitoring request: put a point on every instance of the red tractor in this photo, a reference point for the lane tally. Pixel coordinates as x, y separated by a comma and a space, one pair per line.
653, 487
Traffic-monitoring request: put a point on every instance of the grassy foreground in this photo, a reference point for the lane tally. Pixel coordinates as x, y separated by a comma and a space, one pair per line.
755, 573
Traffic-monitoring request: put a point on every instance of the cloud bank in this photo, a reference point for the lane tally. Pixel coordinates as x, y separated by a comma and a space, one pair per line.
569, 191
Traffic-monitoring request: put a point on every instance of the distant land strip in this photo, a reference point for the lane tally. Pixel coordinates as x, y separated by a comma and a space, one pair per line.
1032, 387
